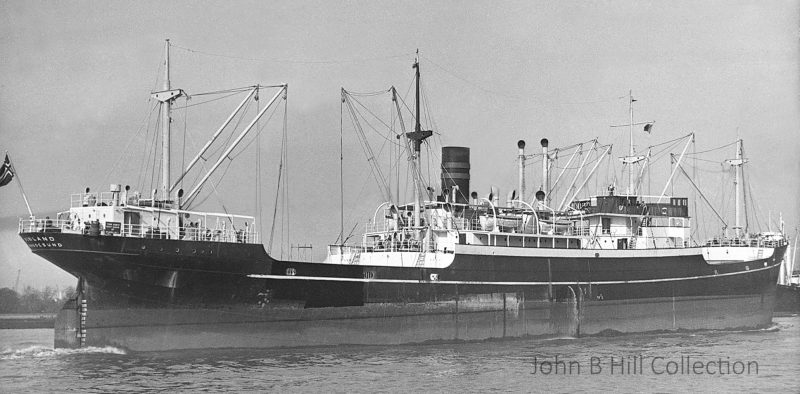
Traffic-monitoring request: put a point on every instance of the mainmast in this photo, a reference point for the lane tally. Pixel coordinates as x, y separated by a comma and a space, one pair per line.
166, 108
417, 136
631, 149
166, 97
632, 159
737, 163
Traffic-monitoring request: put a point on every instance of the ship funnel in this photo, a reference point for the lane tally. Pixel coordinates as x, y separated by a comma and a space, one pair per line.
455, 171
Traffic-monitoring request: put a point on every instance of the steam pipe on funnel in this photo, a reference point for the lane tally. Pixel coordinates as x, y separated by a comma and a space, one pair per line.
521, 188
545, 171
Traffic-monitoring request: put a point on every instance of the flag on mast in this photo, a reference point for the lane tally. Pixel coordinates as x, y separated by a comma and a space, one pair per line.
6, 172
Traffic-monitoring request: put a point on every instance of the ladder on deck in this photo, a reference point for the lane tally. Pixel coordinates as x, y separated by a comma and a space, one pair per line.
421, 258
356, 257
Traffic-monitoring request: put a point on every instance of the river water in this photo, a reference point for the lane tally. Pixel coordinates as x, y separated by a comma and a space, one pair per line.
756, 360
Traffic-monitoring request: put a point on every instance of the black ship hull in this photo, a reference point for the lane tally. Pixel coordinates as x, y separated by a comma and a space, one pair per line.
152, 294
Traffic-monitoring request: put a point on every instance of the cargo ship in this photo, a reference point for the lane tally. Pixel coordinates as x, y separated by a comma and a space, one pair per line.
448, 266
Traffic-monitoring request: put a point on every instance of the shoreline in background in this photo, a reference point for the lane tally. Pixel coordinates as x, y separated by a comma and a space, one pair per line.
27, 320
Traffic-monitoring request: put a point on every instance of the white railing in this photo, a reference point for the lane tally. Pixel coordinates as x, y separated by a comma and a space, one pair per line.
191, 233
408, 245
92, 199
384, 246
745, 242
481, 223
583, 231
43, 225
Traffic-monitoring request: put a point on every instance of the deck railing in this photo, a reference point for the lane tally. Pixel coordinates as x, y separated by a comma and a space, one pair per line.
745, 242
510, 226
191, 233
92, 199
44, 225
384, 246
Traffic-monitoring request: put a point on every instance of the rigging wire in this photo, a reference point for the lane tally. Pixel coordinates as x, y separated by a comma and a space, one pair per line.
368, 94
258, 170
428, 113
393, 167
292, 61
234, 155
236, 90
744, 195
275, 206
388, 127
148, 150
206, 102
231, 156
134, 137
376, 171
183, 146
525, 98
219, 148
282, 186
713, 149
158, 75
286, 168
156, 144
755, 210
341, 171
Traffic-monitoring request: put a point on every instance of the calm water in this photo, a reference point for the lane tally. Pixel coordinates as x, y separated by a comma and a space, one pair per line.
28, 363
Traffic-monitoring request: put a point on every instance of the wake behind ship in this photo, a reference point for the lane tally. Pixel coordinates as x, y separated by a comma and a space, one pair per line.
155, 275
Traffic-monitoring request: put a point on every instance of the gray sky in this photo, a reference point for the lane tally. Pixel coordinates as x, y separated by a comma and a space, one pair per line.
75, 79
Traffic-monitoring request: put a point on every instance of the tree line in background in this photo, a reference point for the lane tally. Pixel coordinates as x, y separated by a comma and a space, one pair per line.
47, 300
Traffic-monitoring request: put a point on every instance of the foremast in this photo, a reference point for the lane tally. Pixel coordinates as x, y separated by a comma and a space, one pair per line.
166, 97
